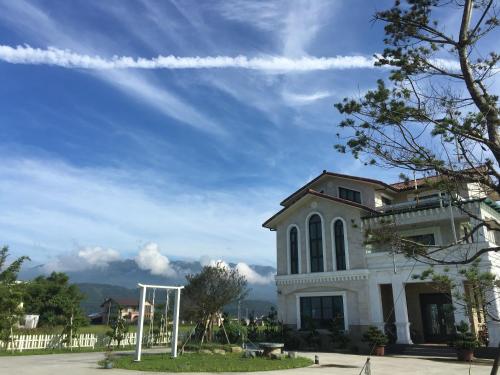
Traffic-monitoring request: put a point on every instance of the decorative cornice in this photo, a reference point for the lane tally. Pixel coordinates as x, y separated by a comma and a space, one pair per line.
322, 277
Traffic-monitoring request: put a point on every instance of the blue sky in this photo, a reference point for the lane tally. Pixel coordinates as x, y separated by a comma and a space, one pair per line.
193, 160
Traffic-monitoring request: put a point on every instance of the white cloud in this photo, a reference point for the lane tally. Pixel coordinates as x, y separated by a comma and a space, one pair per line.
82, 259
252, 276
304, 99
151, 259
98, 256
29, 19
69, 59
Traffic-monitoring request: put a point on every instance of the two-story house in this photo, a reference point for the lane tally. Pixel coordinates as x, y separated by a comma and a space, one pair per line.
325, 270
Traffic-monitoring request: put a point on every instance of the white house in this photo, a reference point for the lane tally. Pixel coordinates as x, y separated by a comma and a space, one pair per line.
325, 270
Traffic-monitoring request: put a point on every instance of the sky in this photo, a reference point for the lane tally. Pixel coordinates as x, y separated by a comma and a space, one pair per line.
107, 148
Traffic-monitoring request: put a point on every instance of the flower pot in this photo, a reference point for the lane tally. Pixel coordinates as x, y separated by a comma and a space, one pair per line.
108, 365
379, 351
466, 355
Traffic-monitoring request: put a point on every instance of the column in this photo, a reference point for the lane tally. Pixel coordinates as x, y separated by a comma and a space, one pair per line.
175, 328
376, 311
401, 312
140, 324
493, 326
460, 310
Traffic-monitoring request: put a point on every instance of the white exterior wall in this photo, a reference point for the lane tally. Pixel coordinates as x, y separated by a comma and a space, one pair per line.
360, 283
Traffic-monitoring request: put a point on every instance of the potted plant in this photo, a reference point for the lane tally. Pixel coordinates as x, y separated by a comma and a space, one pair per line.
465, 342
377, 339
107, 363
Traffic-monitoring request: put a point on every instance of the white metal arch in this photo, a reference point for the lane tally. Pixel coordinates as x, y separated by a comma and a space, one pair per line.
140, 321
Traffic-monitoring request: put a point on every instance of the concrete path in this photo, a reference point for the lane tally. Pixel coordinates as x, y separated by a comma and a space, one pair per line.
330, 363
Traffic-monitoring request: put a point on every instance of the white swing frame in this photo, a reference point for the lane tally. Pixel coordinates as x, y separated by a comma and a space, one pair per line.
140, 321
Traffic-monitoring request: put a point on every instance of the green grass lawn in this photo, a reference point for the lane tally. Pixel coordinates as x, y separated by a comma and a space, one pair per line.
197, 362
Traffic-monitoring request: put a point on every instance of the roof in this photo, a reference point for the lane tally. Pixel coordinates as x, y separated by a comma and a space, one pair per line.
132, 302
467, 175
290, 199
410, 184
320, 195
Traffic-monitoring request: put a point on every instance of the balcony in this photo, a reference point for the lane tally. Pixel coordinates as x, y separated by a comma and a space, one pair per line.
421, 204
418, 212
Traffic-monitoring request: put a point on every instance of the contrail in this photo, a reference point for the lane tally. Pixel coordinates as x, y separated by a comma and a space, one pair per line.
69, 59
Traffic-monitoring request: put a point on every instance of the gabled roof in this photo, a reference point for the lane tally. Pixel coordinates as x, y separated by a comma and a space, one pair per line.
291, 198
304, 193
125, 302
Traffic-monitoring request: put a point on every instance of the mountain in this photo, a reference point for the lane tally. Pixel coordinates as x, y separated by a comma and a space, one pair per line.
120, 278
95, 294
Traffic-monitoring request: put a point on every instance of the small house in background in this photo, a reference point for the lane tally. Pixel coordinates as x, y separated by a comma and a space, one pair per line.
129, 309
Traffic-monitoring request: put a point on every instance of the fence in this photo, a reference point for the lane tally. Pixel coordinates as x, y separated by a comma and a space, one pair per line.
84, 340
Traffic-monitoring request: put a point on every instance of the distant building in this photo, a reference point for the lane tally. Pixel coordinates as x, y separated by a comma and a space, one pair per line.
129, 308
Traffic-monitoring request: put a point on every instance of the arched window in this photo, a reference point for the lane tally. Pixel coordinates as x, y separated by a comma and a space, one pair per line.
315, 243
294, 250
340, 256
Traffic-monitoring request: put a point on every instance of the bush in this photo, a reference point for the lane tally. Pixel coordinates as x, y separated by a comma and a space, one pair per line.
375, 337
337, 334
465, 339
236, 332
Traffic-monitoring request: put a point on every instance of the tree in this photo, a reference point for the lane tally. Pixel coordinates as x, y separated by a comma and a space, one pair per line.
436, 115
207, 292
11, 295
119, 328
57, 302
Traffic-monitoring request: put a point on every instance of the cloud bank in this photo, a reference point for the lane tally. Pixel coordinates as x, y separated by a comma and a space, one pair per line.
83, 258
252, 276
69, 59
151, 259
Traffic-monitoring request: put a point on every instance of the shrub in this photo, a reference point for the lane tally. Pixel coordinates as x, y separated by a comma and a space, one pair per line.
464, 339
375, 337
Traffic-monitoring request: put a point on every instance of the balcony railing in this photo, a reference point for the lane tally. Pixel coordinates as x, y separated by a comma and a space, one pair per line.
441, 201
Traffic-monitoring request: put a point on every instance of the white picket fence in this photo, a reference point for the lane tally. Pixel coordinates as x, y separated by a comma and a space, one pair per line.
84, 340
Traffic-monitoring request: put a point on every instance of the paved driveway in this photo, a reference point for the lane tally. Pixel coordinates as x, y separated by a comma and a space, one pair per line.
86, 363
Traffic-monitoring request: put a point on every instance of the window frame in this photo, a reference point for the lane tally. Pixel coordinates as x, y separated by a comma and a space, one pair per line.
308, 242
334, 246
356, 191
343, 294
289, 251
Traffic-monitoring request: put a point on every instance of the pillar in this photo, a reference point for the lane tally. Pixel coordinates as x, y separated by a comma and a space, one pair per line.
175, 328
493, 326
401, 313
376, 311
140, 324
460, 310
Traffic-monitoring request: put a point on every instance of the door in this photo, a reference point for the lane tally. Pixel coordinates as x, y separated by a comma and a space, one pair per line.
437, 317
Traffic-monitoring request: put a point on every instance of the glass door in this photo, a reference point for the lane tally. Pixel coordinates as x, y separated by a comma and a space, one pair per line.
437, 317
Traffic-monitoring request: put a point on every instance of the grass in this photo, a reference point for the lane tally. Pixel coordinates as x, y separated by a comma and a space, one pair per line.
198, 362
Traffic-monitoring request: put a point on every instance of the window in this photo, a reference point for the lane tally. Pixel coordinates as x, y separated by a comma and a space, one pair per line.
350, 195
294, 251
340, 256
386, 201
318, 312
316, 243
424, 239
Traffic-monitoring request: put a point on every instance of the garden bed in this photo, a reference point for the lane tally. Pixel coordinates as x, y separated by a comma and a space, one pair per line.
199, 362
